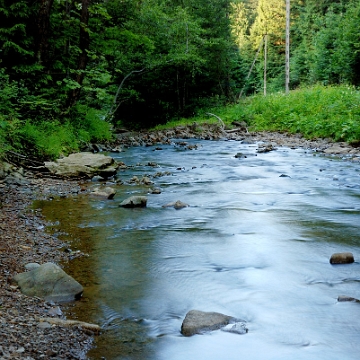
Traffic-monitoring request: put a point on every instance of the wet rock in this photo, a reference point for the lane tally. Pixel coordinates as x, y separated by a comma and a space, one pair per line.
49, 282
104, 192
198, 322
342, 258
134, 201
83, 165
117, 149
55, 311
146, 180
339, 148
97, 178
176, 205
264, 148
155, 191
344, 298
237, 328
134, 180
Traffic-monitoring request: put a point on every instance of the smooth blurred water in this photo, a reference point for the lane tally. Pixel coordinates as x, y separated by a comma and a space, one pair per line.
254, 244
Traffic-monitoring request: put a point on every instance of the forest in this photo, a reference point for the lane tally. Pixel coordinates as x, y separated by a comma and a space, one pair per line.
71, 70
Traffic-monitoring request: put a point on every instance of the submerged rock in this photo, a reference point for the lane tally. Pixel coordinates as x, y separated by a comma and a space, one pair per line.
176, 205
237, 328
156, 191
49, 282
342, 258
264, 148
198, 322
344, 298
134, 201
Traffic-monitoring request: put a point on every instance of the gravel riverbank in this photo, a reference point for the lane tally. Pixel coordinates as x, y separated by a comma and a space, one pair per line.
23, 240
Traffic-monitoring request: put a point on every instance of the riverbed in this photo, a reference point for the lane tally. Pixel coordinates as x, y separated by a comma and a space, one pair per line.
254, 243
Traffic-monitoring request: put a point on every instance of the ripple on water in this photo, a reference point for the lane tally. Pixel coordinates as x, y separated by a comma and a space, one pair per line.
252, 244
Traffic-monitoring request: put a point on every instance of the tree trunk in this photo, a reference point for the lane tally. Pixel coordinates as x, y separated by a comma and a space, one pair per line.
42, 31
84, 45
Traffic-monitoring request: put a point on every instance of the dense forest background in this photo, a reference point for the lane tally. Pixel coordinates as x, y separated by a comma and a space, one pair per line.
68, 68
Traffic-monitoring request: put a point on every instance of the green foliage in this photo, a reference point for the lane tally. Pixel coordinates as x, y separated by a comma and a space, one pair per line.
325, 43
325, 112
315, 112
142, 63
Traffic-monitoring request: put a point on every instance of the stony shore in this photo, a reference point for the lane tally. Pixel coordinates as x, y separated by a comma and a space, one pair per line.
23, 239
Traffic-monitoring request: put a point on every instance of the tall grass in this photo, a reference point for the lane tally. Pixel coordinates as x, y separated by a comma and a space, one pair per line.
52, 139
316, 112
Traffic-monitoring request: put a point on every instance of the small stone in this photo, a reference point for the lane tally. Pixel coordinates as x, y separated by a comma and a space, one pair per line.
155, 191
342, 258
32, 266
238, 328
44, 325
176, 205
55, 311
50, 353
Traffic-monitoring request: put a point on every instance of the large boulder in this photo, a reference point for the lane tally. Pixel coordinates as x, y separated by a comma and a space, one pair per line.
342, 258
49, 282
134, 201
199, 322
83, 164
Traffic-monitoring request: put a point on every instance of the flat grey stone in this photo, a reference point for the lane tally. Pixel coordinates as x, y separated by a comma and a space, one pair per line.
49, 282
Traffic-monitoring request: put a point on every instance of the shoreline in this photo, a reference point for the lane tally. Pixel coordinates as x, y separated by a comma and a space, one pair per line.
24, 239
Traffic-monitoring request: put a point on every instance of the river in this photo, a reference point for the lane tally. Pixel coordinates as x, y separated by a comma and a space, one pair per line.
254, 243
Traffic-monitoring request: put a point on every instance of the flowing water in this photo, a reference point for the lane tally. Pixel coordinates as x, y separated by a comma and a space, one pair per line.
255, 244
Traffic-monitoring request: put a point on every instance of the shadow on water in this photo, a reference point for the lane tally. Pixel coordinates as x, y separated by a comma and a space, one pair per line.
255, 244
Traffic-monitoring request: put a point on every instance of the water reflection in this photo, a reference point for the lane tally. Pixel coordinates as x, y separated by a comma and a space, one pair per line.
255, 244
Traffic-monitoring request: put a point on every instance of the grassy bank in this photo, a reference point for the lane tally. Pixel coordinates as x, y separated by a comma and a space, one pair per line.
316, 112
51, 139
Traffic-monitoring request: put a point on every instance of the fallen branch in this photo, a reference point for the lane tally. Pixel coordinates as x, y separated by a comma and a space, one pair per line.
22, 160
221, 122
70, 323
233, 130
